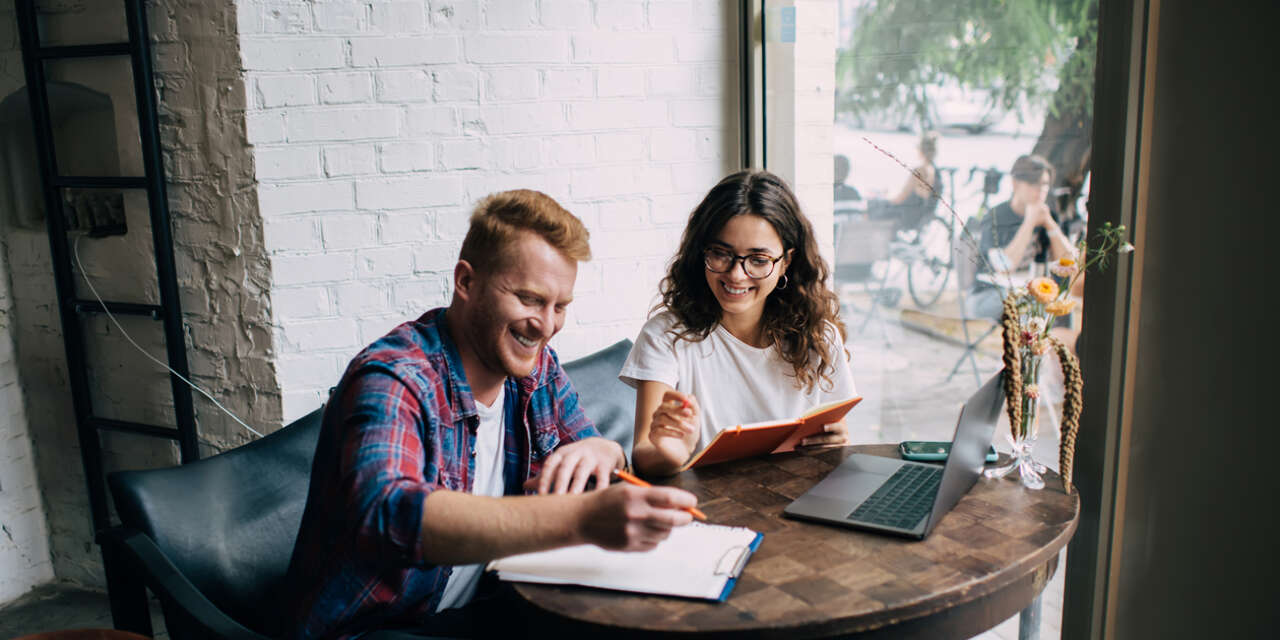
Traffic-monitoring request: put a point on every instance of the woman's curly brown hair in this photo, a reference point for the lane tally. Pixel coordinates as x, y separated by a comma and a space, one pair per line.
801, 319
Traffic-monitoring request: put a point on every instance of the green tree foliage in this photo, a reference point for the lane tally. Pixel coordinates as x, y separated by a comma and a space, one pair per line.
902, 51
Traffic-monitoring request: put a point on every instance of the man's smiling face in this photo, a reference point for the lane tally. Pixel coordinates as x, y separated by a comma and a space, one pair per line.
511, 313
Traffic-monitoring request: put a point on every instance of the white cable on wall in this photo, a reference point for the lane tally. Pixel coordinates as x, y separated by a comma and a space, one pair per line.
75, 250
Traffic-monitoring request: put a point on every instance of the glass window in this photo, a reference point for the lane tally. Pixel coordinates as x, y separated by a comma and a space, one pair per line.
935, 102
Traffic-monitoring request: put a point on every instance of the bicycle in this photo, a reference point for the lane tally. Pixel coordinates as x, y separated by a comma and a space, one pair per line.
925, 249
991, 178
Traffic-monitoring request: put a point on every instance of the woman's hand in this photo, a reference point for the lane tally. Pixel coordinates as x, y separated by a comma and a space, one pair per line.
676, 417
666, 428
834, 434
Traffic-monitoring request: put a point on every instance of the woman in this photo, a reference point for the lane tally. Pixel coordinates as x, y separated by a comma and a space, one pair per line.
919, 193
747, 329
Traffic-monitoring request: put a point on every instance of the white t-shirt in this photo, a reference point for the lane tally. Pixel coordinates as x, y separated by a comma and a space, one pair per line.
488, 481
734, 382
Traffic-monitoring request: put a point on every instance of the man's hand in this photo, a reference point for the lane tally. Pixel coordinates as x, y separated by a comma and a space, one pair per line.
1039, 215
568, 468
629, 518
836, 433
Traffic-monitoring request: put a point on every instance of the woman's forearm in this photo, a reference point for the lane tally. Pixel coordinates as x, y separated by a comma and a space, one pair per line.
649, 459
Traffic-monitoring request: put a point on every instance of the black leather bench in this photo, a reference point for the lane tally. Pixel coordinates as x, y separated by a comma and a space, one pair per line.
212, 539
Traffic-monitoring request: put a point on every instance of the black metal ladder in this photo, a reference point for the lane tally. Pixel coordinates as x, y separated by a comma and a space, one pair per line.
138, 50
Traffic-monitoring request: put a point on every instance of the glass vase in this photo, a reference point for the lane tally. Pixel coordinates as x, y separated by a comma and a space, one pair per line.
1022, 436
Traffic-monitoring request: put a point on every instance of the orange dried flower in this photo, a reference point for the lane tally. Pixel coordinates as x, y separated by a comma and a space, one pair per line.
1043, 289
1064, 267
1060, 307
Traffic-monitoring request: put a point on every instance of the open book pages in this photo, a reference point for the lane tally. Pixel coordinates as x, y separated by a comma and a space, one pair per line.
698, 561
772, 436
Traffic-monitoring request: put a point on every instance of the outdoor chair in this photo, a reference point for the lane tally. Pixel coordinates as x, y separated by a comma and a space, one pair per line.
861, 243
212, 539
965, 258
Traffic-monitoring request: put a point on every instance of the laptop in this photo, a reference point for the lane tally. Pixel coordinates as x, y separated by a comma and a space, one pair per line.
901, 497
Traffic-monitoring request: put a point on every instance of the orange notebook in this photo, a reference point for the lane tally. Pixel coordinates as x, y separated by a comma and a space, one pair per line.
773, 436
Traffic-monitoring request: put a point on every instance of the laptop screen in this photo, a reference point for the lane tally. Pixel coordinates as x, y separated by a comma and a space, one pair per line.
974, 429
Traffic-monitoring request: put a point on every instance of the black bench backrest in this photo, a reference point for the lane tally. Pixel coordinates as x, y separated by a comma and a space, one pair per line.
228, 522
608, 401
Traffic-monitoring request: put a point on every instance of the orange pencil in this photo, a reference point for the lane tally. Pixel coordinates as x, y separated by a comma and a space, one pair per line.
630, 479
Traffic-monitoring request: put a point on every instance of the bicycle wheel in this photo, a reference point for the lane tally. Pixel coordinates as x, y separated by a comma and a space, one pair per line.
927, 275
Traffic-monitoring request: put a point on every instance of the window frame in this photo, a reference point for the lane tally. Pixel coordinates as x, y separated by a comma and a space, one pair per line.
1118, 185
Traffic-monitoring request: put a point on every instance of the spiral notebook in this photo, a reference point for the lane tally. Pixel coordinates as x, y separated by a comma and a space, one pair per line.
698, 561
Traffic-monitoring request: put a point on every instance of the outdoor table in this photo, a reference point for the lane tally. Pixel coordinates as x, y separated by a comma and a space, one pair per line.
988, 559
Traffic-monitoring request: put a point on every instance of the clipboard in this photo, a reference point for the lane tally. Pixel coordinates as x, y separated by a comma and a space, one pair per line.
773, 436
702, 561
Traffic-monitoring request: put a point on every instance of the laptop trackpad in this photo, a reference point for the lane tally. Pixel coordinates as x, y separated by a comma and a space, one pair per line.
851, 491
856, 478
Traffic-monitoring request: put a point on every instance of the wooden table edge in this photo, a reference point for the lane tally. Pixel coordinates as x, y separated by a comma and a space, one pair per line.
1041, 558
870, 623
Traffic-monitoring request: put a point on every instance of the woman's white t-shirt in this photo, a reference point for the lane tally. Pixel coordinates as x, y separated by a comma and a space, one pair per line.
734, 382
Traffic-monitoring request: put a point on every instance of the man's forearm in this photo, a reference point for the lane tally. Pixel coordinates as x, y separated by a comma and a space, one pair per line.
460, 528
1015, 252
1059, 244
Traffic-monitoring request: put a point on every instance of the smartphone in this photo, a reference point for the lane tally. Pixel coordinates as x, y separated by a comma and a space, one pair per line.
934, 451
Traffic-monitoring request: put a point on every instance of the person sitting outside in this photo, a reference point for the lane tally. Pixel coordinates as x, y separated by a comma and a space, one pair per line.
919, 193
1009, 239
844, 193
437, 428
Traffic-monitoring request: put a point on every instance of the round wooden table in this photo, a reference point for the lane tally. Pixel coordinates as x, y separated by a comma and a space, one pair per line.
985, 561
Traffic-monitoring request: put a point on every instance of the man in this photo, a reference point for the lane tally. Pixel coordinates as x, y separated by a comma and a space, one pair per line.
1012, 232
437, 428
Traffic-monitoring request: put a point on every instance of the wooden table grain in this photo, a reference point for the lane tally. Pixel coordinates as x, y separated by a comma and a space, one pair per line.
987, 560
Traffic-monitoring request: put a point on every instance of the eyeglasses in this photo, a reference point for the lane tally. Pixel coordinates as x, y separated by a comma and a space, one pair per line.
755, 265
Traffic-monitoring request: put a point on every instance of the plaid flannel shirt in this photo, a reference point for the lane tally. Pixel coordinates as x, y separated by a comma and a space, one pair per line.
400, 425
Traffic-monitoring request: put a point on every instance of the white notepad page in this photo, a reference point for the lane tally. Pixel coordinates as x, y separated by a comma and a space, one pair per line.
695, 562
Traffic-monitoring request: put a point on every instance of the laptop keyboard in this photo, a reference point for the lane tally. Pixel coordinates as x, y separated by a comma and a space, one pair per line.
903, 500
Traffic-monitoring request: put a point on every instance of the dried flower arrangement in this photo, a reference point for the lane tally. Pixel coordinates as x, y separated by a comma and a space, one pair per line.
1026, 320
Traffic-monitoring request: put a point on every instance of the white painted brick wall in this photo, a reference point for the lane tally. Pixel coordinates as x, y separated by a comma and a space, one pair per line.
280, 54
402, 157
349, 160
403, 85
286, 91
345, 87
390, 52
394, 18
623, 110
